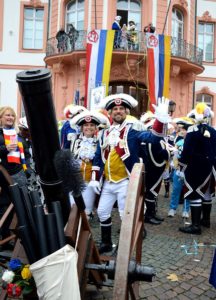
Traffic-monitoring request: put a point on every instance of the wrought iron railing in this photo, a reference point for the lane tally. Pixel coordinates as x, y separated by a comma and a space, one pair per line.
127, 42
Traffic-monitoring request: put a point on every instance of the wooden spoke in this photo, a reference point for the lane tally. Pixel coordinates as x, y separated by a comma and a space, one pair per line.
130, 241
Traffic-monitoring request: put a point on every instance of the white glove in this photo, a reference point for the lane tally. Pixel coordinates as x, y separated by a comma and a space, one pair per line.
162, 110
96, 186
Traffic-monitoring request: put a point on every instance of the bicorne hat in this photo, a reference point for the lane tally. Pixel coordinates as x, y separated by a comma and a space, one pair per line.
89, 117
119, 100
72, 110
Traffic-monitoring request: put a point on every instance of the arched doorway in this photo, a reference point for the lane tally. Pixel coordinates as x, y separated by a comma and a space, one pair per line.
139, 92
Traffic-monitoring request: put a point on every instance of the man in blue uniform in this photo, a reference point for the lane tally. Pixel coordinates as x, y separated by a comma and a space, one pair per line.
198, 162
119, 148
158, 153
69, 132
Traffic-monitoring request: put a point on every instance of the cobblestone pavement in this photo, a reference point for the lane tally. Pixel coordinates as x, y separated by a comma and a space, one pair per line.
186, 257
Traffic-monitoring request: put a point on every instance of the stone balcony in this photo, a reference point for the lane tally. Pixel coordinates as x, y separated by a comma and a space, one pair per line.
185, 57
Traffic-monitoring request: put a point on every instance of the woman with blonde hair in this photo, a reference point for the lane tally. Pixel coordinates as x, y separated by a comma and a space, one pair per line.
12, 150
13, 160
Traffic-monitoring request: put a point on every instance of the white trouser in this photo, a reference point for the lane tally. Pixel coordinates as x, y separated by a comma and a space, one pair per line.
88, 197
111, 192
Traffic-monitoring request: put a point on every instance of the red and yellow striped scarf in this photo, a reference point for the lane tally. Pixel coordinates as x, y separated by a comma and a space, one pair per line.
17, 156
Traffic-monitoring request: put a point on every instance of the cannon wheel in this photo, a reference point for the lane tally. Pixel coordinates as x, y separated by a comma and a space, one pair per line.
131, 236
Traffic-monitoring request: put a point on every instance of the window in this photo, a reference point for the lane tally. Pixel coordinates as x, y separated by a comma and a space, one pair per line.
1, 22
33, 28
206, 40
204, 98
177, 24
75, 14
129, 11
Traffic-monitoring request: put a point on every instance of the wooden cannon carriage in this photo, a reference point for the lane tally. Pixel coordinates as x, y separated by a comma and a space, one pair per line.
124, 269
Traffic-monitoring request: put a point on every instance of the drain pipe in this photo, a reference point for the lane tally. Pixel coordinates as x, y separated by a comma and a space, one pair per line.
195, 44
48, 24
95, 14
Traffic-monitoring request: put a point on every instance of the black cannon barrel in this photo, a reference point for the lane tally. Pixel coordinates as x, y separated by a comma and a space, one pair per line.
35, 87
136, 272
36, 90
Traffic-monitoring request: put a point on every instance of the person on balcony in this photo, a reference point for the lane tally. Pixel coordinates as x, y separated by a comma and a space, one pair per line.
132, 36
149, 28
124, 35
116, 26
62, 40
73, 35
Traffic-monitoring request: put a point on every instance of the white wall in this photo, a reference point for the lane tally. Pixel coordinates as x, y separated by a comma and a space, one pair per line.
10, 57
210, 84
210, 71
9, 54
9, 88
205, 5
154, 13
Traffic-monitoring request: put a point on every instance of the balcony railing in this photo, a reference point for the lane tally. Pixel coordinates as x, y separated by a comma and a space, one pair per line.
129, 42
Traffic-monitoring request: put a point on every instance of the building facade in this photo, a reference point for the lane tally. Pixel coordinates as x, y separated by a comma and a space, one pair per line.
205, 85
23, 36
25, 29
176, 18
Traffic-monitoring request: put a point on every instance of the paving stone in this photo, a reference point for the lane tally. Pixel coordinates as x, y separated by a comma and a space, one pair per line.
152, 298
185, 286
211, 294
178, 290
204, 286
182, 297
196, 291
190, 295
162, 250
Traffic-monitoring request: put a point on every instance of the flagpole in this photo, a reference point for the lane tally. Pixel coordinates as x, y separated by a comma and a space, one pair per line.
166, 17
95, 15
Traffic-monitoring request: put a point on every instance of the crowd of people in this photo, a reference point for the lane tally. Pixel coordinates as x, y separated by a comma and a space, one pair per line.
159, 142
126, 36
108, 142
